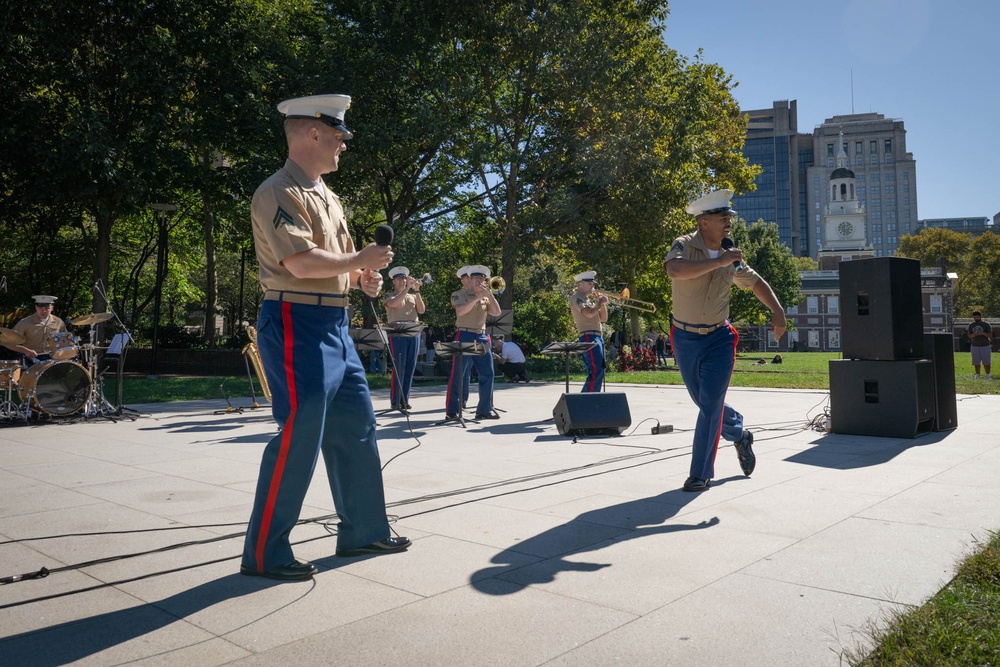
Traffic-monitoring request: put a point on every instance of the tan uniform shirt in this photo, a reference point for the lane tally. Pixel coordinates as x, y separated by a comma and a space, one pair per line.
405, 313
292, 214
577, 302
36, 334
705, 300
475, 319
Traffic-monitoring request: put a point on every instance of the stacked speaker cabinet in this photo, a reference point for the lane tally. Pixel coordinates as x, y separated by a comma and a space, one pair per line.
594, 413
893, 399
881, 313
886, 385
939, 348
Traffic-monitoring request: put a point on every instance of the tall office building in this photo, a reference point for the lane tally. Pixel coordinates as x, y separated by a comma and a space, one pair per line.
774, 143
886, 178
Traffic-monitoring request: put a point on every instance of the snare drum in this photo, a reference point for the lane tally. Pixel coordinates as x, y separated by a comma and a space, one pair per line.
55, 387
62, 346
10, 373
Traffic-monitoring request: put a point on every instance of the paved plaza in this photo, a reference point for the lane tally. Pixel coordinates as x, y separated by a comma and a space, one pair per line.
529, 548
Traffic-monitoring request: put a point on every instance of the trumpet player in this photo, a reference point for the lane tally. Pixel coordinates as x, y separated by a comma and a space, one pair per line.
472, 304
403, 305
590, 310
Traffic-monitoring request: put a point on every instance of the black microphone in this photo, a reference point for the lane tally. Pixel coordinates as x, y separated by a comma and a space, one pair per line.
727, 244
384, 235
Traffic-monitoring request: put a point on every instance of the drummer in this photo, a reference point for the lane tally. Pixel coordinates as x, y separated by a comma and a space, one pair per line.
37, 329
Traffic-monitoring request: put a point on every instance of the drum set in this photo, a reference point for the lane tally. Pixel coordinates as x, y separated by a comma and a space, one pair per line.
66, 384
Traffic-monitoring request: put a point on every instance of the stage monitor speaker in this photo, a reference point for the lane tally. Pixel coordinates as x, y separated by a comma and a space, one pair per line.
939, 348
881, 313
593, 413
893, 399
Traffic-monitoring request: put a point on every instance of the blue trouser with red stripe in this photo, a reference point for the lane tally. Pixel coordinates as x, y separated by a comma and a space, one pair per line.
593, 359
484, 369
320, 400
404, 363
706, 365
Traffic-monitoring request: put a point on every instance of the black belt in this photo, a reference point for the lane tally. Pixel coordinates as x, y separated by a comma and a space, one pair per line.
307, 298
702, 329
591, 331
475, 331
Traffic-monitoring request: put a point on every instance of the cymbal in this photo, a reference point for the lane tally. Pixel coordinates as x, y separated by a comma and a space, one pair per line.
10, 337
92, 318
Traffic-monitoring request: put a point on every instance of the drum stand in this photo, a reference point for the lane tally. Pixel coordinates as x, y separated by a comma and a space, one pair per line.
8, 410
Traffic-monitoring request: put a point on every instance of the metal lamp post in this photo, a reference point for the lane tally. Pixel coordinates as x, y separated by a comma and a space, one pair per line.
161, 270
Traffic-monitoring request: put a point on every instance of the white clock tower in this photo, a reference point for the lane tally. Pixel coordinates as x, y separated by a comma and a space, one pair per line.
844, 222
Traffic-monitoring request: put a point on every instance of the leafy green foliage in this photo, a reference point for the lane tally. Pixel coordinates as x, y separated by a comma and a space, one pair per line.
764, 252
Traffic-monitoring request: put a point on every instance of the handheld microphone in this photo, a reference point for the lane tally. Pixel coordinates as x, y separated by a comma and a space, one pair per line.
384, 235
727, 244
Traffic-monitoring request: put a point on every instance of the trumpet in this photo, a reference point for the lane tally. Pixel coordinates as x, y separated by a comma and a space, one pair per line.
626, 301
497, 285
426, 278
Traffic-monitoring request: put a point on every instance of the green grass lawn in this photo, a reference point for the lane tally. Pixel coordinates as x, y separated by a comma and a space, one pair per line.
800, 370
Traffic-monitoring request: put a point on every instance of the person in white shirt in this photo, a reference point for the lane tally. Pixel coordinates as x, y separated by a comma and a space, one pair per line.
511, 360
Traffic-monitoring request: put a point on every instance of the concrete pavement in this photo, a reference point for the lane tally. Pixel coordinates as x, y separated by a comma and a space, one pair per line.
529, 548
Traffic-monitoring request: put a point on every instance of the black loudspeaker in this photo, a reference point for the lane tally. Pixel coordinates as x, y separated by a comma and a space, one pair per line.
592, 414
893, 399
939, 348
881, 309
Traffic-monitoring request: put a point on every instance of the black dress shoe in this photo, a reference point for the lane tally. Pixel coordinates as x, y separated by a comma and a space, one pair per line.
408, 406
492, 415
696, 484
386, 546
452, 418
294, 571
744, 452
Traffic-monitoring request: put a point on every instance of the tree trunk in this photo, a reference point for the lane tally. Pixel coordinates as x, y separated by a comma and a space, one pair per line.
102, 260
211, 278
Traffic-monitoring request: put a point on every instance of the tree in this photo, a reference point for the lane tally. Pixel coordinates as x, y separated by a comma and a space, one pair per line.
767, 255
934, 244
978, 284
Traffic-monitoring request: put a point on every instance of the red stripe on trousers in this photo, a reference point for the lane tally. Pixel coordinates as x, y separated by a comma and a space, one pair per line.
286, 434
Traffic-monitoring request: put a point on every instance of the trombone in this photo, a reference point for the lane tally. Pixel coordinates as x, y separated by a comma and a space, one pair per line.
626, 301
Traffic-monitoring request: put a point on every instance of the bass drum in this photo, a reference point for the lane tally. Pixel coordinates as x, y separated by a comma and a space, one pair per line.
55, 387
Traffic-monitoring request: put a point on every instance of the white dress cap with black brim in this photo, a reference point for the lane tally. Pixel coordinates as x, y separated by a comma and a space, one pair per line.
585, 276
479, 270
399, 271
714, 202
44, 300
327, 109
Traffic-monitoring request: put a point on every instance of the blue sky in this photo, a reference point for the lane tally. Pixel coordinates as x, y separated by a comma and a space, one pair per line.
932, 63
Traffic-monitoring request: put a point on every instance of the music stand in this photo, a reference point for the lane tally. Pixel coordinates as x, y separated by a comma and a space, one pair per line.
400, 328
457, 349
566, 348
370, 339
501, 325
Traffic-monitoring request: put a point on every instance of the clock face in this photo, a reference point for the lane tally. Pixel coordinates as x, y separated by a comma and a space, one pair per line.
845, 228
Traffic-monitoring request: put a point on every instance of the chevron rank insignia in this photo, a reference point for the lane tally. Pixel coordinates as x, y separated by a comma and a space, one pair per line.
677, 246
282, 218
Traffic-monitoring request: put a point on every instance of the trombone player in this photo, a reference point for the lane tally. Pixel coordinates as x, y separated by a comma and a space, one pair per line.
590, 310
403, 306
